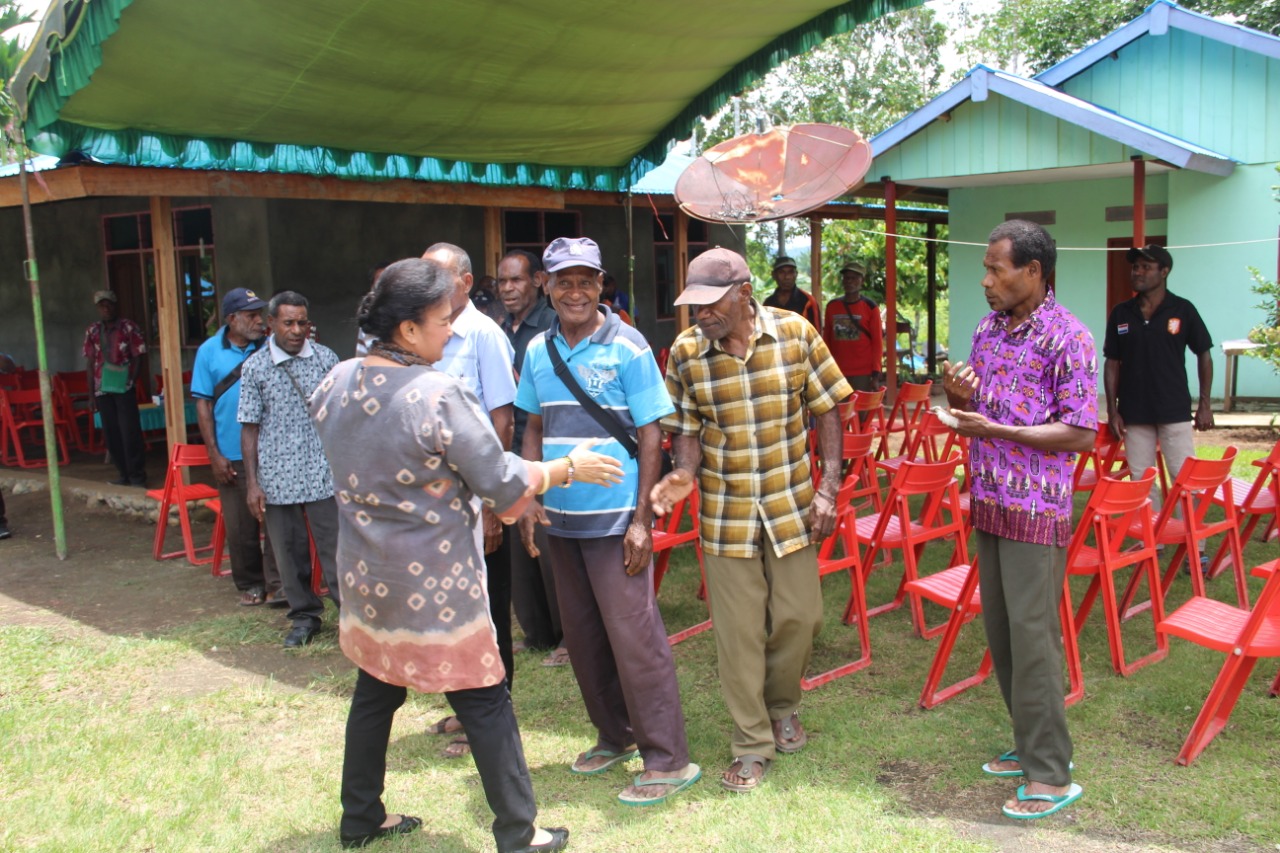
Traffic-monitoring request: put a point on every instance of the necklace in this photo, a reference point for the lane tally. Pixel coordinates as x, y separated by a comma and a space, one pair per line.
394, 352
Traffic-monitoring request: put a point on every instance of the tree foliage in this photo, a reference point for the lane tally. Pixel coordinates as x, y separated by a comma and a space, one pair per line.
1028, 36
10, 55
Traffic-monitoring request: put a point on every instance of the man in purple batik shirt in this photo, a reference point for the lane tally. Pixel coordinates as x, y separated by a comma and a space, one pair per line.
1029, 400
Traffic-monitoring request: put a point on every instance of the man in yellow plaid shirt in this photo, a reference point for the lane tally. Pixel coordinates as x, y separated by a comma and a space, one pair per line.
744, 381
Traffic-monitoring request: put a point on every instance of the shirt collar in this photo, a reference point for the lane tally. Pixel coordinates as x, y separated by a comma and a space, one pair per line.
278, 356
1036, 321
603, 335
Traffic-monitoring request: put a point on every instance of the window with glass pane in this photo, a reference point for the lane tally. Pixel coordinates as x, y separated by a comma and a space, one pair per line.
534, 229
664, 258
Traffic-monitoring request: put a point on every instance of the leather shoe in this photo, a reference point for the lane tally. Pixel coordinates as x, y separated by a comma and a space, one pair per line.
559, 841
406, 825
299, 636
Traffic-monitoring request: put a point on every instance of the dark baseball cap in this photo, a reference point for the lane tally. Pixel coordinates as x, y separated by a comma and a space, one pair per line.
565, 252
1151, 252
783, 261
711, 274
241, 299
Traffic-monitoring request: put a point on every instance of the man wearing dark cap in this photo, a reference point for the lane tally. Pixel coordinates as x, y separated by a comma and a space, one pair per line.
215, 385
745, 380
1145, 375
113, 348
790, 297
853, 331
591, 376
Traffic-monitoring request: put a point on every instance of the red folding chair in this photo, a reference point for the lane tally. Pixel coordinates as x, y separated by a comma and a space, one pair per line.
219, 539
667, 535
956, 588
1118, 510
897, 527
908, 408
1241, 634
1192, 494
1104, 459
177, 492
855, 613
71, 391
1253, 502
868, 412
21, 415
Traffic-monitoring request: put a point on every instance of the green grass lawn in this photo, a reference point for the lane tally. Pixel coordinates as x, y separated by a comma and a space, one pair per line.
110, 743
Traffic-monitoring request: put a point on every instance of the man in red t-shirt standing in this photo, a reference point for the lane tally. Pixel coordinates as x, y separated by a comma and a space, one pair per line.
853, 332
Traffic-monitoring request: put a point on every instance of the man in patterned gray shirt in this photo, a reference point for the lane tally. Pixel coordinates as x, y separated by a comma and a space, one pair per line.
290, 486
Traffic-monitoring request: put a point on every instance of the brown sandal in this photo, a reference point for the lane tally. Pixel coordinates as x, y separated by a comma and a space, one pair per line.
750, 768
788, 735
252, 597
459, 747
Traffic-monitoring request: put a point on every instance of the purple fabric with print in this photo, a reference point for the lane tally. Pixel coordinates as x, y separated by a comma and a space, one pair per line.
1044, 371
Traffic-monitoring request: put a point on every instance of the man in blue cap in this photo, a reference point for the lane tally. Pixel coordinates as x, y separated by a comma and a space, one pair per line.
215, 385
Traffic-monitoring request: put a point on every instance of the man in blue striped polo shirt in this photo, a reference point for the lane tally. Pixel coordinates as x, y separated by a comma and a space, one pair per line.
601, 544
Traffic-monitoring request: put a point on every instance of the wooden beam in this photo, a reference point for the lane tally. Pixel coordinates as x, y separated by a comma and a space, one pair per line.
167, 301
682, 267
492, 240
1139, 201
815, 264
890, 292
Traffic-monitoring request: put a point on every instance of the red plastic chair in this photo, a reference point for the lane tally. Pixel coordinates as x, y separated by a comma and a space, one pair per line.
908, 408
896, 527
219, 539
868, 412
1104, 459
855, 612
177, 492
1192, 493
957, 589
1118, 510
1253, 502
20, 414
667, 535
71, 392
1243, 636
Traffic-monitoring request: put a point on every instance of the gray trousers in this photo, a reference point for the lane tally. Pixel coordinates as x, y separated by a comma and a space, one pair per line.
1021, 586
1177, 442
252, 562
618, 649
287, 529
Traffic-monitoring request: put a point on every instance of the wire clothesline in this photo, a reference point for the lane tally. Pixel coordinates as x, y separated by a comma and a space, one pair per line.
1069, 248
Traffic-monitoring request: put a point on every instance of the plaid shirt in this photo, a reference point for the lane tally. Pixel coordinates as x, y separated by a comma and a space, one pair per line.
749, 415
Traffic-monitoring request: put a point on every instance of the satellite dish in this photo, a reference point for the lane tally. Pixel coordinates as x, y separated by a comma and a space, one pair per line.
764, 176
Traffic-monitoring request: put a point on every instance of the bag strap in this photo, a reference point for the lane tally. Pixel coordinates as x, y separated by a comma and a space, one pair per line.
294, 380
225, 383
590, 406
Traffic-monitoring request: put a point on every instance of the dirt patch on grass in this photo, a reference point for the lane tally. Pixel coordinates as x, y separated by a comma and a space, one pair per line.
1243, 438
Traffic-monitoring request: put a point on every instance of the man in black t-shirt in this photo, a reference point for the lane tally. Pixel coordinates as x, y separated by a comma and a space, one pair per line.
790, 297
1145, 375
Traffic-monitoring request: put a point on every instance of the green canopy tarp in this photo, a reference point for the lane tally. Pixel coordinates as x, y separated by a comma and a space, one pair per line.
564, 94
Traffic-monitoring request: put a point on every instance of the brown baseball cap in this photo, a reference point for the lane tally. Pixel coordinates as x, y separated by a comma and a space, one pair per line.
711, 274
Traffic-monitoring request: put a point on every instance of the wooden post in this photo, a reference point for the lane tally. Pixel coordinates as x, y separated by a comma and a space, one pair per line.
683, 320
815, 265
492, 240
890, 290
167, 301
931, 263
1139, 201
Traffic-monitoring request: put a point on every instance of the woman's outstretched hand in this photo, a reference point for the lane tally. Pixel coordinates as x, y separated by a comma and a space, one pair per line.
592, 467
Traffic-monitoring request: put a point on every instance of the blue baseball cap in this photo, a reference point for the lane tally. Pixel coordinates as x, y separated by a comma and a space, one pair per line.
241, 299
565, 252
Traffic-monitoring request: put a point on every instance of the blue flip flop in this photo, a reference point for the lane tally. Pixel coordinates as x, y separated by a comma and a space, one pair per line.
600, 752
1060, 801
692, 773
1011, 755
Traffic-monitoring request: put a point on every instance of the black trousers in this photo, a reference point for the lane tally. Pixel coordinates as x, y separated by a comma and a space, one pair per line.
3, 520
497, 568
491, 727
533, 590
252, 562
122, 428
287, 530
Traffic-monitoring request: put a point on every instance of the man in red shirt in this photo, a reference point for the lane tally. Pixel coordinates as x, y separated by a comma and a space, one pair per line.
853, 332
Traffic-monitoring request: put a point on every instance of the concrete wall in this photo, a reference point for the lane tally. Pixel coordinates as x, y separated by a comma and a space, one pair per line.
1202, 210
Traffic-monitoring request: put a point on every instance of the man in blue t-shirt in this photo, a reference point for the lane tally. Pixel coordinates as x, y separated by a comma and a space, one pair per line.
601, 540
215, 385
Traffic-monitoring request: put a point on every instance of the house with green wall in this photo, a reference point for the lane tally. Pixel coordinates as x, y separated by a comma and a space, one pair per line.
1174, 116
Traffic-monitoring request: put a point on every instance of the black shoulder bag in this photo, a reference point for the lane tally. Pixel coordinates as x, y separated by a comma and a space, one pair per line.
597, 412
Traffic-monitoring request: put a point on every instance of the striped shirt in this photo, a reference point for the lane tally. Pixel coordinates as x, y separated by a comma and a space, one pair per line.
750, 417
617, 368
